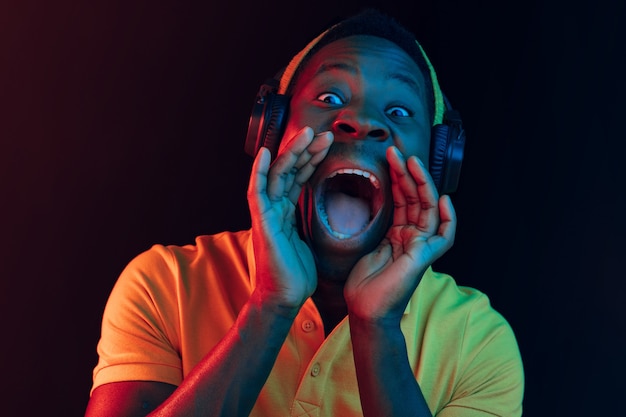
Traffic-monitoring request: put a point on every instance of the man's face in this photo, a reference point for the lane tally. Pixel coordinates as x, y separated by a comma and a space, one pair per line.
371, 95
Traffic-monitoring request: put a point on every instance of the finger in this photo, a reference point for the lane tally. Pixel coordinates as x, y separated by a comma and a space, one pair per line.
320, 144
374, 262
283, 170
423, 207
316, 152
444, 239
447, 227
397, 170
257, 187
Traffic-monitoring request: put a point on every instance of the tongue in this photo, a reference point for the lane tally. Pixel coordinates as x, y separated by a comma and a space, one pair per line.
346, 214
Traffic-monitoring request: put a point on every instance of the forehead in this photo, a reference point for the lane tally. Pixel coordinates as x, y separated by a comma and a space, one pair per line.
364, 56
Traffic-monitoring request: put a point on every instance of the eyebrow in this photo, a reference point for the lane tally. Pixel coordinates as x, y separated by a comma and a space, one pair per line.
342, 66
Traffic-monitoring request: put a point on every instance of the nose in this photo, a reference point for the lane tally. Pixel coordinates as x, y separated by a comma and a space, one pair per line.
360, 123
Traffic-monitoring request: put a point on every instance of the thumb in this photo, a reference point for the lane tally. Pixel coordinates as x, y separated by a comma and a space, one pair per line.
374, 261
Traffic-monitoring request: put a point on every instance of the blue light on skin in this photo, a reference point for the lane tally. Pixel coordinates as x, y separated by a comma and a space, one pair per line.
370, 94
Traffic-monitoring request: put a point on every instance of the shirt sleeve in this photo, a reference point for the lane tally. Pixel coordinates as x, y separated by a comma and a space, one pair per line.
491, 379
140, 325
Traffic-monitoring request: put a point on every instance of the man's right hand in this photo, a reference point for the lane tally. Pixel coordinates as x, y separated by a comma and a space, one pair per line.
285, 269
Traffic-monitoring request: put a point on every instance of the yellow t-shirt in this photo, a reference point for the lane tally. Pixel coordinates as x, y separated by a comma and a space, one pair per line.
172, 304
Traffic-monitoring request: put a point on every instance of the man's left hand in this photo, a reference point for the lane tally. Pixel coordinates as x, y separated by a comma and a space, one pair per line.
424, 224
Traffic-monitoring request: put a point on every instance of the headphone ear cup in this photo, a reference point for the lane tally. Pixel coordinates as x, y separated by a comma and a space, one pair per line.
275, 119
438, 150
267, 119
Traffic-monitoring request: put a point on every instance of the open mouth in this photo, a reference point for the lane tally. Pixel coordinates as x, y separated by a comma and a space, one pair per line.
348, 201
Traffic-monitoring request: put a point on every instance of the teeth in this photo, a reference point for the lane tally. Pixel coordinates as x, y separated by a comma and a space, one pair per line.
360, 172
340, 235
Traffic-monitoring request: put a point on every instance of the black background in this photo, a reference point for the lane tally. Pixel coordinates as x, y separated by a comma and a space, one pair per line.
122, 125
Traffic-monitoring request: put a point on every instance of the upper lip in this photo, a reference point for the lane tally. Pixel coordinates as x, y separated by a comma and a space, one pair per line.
331, 166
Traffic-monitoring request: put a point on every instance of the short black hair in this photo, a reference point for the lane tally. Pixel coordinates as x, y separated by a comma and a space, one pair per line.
375, 23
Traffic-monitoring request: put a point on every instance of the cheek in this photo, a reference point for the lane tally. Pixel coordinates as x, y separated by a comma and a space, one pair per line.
291, 128
416, 145
299, 117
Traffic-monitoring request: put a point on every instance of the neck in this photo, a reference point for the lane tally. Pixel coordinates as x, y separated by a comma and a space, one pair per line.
330, 302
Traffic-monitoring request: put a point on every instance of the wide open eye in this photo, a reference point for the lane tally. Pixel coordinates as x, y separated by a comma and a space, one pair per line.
398, 111
330, 98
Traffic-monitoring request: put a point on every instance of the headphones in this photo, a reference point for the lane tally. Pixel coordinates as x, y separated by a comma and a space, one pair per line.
269, 117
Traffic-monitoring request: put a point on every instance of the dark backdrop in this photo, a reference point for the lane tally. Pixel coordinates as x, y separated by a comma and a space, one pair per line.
122, 125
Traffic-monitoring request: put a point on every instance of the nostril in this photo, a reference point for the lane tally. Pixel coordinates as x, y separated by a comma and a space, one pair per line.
378, 133
345, 127
362, 130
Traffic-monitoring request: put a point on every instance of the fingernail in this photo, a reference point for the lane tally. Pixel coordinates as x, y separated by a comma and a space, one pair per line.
397, 152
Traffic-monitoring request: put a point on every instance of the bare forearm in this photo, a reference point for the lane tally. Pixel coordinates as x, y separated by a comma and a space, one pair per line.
387, 385
228, 380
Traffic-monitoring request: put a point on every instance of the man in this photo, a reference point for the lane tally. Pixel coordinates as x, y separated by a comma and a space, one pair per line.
328, 305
